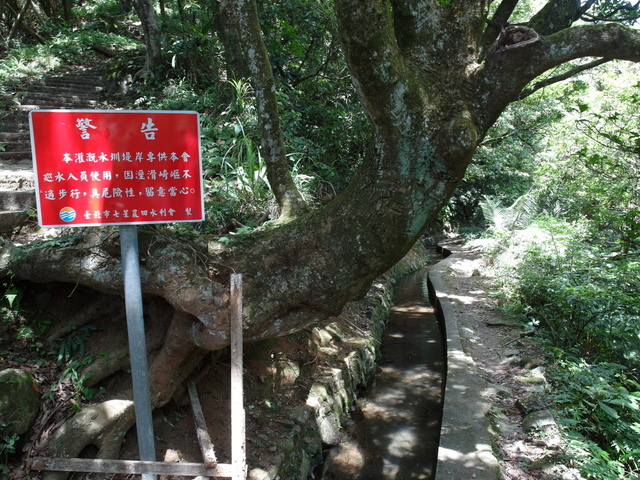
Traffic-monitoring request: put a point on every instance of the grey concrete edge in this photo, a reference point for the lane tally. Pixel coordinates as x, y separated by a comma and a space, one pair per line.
466, 441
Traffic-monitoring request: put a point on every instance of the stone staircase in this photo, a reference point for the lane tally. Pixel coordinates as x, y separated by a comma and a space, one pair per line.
77, 90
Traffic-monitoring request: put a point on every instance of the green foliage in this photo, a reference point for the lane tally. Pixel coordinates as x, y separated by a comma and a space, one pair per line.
8, 445
502, 220
72, 376
621, 11
65, 47
505, 162
591, 165
12, 294
322, 119
580, 297
72, 345
235, 172
584, 301
599, 407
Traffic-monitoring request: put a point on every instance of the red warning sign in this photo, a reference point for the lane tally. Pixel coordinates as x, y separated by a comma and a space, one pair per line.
112, 167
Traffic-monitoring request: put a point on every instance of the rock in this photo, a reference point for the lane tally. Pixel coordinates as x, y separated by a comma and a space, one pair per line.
329, 430
560, 472
260, 474
285, 372
500, 391
321, 337
300, 414
344, 461
171, 455
534, 380
539, 420
530, 363
530, 404
545, 462
19, 401
539, 372
510, 352
501, 423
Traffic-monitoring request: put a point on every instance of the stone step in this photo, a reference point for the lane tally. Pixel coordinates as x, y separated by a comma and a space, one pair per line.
13, 200
13, 147
85, 88
17, 122
73, 91
75, 86
57, 97
16, 156
53, 106
90, 78
16, 178
10, 220
15, 208
13, 137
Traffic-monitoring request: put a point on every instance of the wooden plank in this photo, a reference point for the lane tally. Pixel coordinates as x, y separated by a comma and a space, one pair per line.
238, 443
208, 454
223, 470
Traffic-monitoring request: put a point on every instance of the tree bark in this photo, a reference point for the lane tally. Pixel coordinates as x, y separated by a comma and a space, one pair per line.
428, 108
429, 102
147, 15
245, 27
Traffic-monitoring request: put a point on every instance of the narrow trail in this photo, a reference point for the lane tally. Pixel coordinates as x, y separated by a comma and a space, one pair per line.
396, 427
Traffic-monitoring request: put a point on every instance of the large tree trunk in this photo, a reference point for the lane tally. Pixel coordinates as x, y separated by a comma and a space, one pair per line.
147, 14
430, 91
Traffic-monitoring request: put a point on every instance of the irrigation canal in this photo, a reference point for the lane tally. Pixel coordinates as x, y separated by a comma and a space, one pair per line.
395, 427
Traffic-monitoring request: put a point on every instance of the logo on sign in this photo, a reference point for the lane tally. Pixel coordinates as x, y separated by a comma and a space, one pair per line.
67, 214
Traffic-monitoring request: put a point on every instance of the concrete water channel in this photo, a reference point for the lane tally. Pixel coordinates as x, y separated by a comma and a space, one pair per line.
395, 426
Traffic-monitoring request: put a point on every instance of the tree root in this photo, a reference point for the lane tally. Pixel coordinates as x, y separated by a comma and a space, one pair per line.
103, 426
117, 359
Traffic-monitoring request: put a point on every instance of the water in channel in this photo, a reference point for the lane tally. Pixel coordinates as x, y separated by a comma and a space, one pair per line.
396, 424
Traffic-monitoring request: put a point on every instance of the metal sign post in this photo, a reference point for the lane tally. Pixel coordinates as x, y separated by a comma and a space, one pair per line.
137, 343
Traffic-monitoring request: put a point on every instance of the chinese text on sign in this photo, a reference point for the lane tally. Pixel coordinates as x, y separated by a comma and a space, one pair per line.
97, 167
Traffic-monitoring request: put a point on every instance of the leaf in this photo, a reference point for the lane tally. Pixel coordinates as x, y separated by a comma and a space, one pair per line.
13, 296
608, 410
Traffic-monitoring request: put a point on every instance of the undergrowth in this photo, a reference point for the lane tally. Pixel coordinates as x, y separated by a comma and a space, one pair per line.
581, 293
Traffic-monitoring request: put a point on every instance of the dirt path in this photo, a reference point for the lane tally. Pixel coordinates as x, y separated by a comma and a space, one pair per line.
512, 365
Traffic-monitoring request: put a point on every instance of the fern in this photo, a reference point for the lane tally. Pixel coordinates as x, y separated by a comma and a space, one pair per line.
502, 219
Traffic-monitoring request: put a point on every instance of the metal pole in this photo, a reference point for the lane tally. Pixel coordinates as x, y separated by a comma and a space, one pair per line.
137, 343
238, 433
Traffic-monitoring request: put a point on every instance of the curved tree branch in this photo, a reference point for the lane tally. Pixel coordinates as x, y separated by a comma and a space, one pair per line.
512, 70
371, 50
555, 16
585, 7
610, 42
611, 16
561, 78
